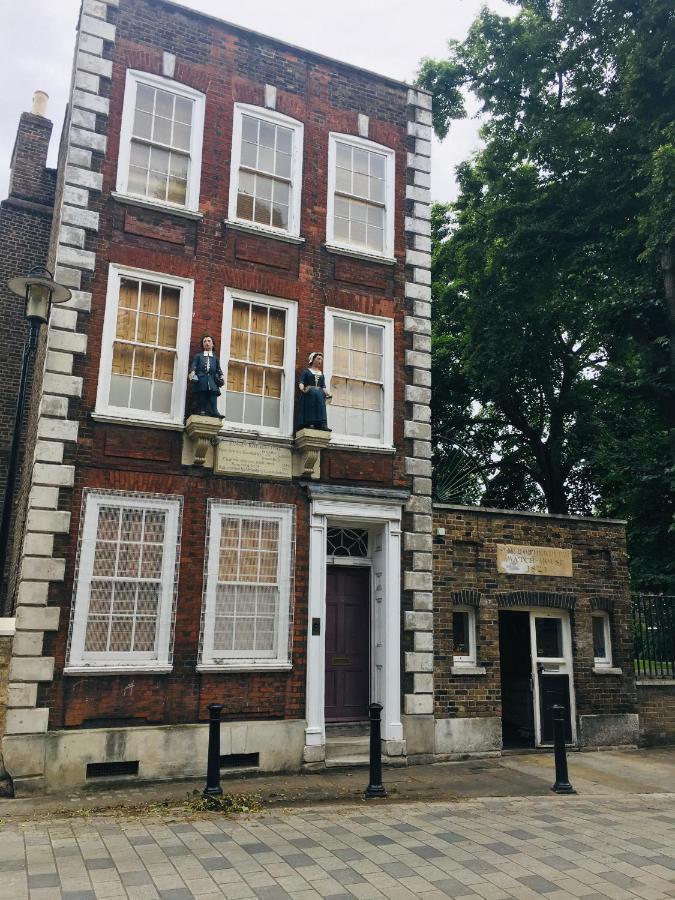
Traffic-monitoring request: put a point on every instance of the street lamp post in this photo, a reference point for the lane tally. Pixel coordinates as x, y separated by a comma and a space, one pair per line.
39, 291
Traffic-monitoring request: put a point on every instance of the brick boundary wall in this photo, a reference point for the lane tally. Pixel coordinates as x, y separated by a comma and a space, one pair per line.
51, 478
656, 707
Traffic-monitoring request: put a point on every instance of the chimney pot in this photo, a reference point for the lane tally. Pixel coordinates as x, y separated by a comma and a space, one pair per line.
39, 107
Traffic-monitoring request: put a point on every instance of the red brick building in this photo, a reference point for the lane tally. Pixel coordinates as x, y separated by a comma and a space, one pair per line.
215, 181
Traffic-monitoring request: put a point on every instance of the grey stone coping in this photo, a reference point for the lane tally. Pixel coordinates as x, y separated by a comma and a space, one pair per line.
491, 510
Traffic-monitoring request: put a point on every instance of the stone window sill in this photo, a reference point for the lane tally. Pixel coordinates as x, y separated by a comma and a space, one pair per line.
144, 203
263, 232
143, 423
245, 667
336, 444
467, 670
358, 254
655, 682
155, 669
607, 670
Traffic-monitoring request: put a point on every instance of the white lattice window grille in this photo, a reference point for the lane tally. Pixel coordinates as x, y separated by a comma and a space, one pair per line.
359, 366
144, 352
161, 141
266, 170
125, 582
347, 542
360, 195
247, 615
463, 636
258, 363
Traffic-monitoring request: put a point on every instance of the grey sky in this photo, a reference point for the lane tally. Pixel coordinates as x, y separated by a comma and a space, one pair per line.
387, 36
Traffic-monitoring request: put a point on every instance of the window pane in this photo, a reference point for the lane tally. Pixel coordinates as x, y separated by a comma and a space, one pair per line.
142, 125
183, 110
177, 191
164, 104
460, 634
549, 637
284, 140
125, 588
161, 131
145, 97
147, 319
160, 117
361, 161
599, 643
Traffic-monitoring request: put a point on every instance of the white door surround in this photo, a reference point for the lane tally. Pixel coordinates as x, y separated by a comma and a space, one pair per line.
560, 664
378, 511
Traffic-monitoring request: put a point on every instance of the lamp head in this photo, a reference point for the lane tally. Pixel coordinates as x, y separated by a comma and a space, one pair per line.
39, 290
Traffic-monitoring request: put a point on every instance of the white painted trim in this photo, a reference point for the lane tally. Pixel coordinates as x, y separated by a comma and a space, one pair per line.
78, 658
389, 196
276, 118
379, 517
285, 428
186, 287
468, 661
563, 663
133, 79
146, 203
387, 324
284, 515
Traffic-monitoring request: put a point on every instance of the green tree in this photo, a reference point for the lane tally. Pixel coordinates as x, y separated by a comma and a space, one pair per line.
554, 316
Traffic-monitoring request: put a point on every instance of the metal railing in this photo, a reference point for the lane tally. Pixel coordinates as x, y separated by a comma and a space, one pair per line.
654, 631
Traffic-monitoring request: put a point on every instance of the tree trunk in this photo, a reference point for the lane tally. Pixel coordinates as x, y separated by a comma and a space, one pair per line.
669, 288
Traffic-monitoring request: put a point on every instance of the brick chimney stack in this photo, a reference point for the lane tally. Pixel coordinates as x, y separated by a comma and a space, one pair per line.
29, 178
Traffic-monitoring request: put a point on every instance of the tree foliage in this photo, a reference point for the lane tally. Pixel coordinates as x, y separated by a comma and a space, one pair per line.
552, 274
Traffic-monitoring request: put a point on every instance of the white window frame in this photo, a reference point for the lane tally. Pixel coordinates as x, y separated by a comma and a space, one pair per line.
467, 660
285, 428
606, 660
285, 516
139, 416
133, 79
387, 324
79, 660
389, 195
294, 206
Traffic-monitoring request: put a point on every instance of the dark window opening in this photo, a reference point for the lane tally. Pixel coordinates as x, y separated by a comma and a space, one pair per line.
112, 769
460, 634
240, 761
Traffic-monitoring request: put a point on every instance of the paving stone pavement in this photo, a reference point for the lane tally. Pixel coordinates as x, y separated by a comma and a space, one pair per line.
487, 849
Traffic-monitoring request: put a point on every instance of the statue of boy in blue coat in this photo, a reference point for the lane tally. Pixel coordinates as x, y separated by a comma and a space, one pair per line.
207, 378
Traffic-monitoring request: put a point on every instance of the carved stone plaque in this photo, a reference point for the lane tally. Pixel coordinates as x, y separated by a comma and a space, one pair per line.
519, 559
253, 458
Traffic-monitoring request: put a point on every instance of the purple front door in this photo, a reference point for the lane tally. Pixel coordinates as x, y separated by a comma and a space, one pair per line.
347, 644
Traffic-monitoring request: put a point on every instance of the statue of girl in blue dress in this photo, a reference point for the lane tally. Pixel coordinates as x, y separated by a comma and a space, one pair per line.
313, 395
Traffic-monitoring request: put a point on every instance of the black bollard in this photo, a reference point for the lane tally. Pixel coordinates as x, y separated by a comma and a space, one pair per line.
213, 788
375, 787
562, 784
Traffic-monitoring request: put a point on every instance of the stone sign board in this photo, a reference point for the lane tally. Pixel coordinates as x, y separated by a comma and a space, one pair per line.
519, 559
254, 459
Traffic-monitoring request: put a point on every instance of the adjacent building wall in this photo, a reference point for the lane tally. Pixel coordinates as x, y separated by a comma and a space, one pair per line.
25, 225
468, 706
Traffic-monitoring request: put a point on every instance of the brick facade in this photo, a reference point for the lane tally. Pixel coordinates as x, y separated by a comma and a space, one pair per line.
656, 702
77, 451
25, 228
465, 573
